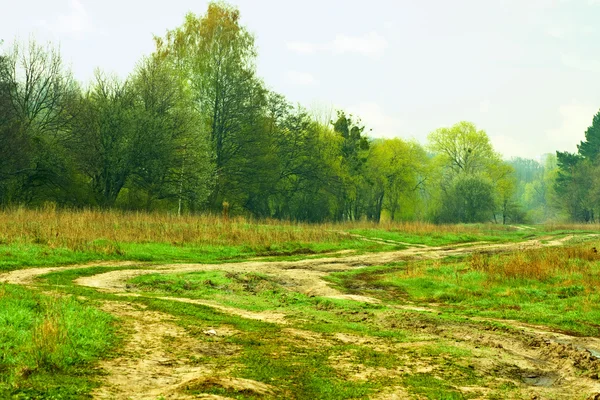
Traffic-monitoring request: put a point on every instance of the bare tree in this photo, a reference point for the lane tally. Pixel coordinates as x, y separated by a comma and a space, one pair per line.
38, 92
41, 88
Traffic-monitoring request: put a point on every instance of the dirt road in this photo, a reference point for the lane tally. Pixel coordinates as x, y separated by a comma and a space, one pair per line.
157, 359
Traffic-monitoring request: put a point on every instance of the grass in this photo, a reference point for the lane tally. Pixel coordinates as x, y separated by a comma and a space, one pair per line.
49, 236
327, 368
30, 238
250, 291
559, 287
271, 356
328, 348
441, 235
445, 235
47, 344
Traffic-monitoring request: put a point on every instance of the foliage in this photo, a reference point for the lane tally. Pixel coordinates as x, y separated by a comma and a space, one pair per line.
475, 184
194, 129
469, 199
575, 185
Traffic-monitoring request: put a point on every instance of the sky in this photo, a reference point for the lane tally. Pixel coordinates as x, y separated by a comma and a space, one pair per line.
525, 71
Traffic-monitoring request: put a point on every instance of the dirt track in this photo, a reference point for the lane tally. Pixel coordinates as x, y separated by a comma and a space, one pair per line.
155, 360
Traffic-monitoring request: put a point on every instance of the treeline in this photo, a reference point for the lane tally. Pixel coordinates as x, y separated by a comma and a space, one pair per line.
194, 129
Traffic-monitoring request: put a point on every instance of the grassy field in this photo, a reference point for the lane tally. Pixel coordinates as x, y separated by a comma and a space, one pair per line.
557, 287
494, 323
48, 344
32, 238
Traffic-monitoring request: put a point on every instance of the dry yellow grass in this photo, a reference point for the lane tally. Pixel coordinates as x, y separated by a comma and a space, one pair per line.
80, 229
537, 264
72, 229
76, 229
425, 228
593, 227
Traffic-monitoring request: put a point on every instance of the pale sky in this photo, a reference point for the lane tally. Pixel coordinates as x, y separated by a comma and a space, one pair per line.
525, 71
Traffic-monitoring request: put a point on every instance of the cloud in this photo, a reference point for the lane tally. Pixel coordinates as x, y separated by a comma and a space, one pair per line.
556, 32
576, 62
370, 45
377, 122
75, 21
575, 119
484, 106
300, 78
512, 147
302, 47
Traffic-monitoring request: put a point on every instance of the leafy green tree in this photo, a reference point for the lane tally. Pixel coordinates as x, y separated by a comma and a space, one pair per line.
590, 148
300, 177
103, 138
470, 199
573, 184
172, 154
575, 181
353, 148
468, 162
463, 148
13, 144
395, 170
216, 55
535, 187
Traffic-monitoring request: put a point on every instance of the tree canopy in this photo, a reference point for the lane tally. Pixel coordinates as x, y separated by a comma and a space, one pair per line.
193, 128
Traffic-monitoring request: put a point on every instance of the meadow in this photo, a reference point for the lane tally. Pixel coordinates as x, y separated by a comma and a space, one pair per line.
133, 305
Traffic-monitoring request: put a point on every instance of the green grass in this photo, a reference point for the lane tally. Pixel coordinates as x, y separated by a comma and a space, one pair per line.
24, 255
18, 255
476, 234
306, 373
250, 291
465, 234
432, 387
565, 299
257, 292
387, 342
267, 355
48, 344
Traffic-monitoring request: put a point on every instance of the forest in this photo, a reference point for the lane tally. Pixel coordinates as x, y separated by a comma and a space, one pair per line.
194, 129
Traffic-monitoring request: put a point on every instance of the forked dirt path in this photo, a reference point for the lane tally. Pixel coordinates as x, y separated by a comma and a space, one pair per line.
157, 357
304, 276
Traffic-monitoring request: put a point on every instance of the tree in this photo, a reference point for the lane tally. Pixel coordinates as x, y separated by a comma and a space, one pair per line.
216, 55
534, 187
469, 162
103, 138
172, 153
37, 92
590, 148
353, 148
395, 170
573, 183
463, 148
470, 199
13, 144
505, 186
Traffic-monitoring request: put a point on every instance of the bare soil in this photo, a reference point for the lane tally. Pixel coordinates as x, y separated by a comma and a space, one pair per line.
158, 357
